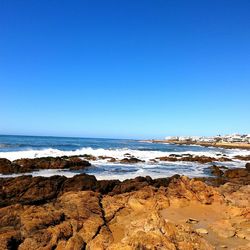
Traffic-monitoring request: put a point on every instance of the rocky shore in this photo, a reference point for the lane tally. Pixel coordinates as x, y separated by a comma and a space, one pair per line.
142, 213
82, 162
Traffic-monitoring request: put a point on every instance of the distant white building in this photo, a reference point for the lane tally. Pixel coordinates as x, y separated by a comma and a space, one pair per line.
247, 138
233, 138
184, 138
172, 138
236, 138
207, 139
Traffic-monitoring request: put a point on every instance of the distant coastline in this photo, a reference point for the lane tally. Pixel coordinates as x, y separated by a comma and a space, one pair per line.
228, 145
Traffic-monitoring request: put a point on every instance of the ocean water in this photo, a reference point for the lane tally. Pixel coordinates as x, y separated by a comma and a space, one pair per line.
16, 147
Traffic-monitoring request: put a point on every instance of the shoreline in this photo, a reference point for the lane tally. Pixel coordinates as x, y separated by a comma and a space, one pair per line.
204, 144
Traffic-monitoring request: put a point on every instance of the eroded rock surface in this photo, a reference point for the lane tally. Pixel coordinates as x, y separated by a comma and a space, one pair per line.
141, 213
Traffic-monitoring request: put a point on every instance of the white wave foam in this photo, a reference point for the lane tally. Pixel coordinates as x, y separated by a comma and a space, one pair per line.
116, 153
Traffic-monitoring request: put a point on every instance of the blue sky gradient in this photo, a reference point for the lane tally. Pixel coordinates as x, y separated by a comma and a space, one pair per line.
124, 69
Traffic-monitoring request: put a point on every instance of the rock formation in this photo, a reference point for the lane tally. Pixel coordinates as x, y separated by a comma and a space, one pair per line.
84, 213
29, 165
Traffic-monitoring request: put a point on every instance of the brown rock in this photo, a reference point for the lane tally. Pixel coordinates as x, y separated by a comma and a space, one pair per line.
88, 157
236, 173
29, 190
81, 212
131, 160
215, 170
223, 228
73, 163
242, 158
29, 165
189, 158
7, 167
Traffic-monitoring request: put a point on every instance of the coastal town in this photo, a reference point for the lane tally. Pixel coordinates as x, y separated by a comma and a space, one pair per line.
233, 138
241, 141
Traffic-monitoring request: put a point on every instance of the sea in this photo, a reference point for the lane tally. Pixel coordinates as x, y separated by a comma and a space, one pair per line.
16, 147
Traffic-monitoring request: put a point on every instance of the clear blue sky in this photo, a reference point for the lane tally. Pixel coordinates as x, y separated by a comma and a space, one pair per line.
124, 69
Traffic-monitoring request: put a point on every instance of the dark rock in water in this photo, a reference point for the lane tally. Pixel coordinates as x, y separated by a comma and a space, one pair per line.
153, 160
29, 165
131, 160
51, 162
128, 155
248, 166
88, 157
215, 170
112, 159
76, 163
109, 158
242, 158
190, 158
186, 155
174, 155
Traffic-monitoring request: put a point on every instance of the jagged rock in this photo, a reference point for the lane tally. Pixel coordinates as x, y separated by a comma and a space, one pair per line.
84, 213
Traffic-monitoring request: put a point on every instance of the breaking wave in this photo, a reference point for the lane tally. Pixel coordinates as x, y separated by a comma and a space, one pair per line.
145, 155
